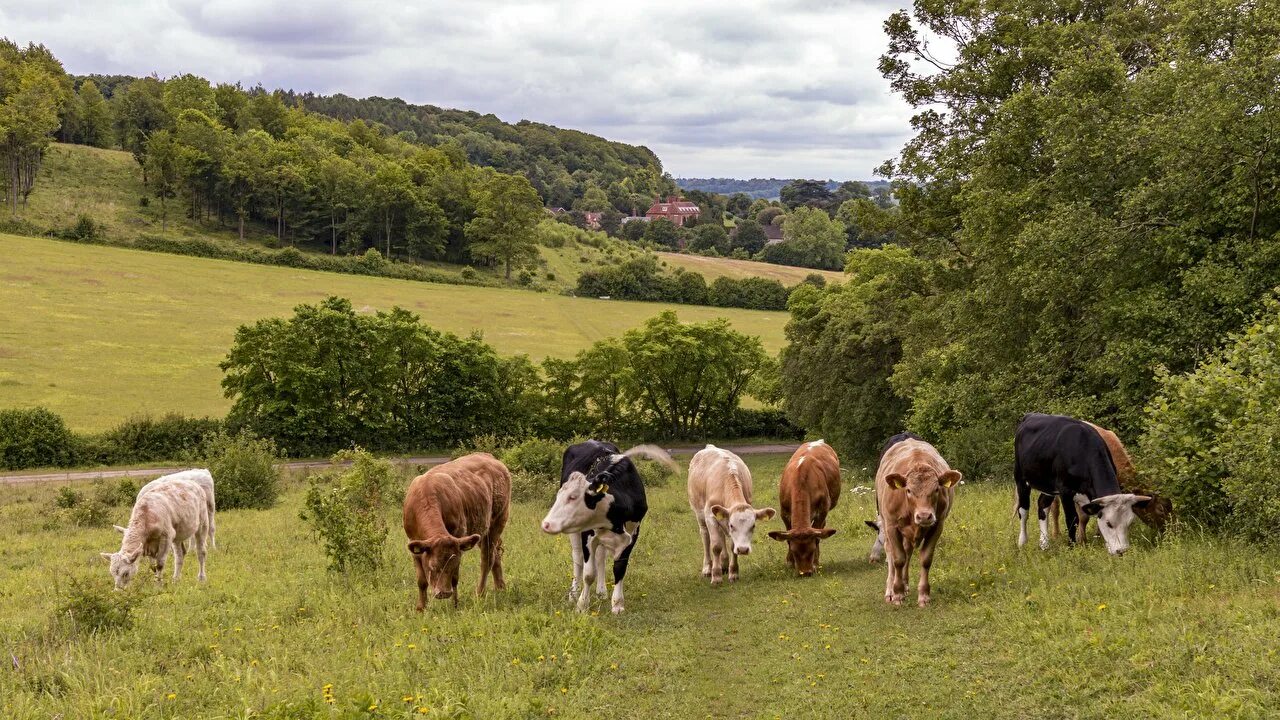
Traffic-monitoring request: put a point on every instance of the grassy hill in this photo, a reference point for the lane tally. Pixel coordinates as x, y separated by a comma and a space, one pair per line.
101, 332
713, 268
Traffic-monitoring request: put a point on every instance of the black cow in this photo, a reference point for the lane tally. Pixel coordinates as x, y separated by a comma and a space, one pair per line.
877, 548
1064, 457
601, 503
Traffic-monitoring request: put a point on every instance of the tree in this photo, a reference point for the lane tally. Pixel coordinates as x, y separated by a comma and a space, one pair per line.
811, 193
710, 237
810, 238
162, 168
244, 173
189, 92
749, 236
337, 183
139, 112
95, 116
663, 232
610, 222
507, 208
30, 97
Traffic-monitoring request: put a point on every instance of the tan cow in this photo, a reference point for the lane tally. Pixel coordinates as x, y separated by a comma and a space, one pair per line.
720, 497
915, 489
1155, 514
450, 509
810, 489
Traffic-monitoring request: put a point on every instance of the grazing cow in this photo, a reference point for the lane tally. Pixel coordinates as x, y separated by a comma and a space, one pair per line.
163, 518
1155, 514
1064, 457
450, 509
877, 548
915, 489
810, 489
720, 496
204, 479
601, 503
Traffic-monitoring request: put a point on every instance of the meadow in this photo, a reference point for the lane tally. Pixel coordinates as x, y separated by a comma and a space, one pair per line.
110, 332
714, 267
1183, 626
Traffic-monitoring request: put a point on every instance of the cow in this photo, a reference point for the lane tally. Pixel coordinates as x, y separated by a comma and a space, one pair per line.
810, 488
450, 509
600, 504
163, 519
1060, 456
915, 490
720, 497
1156, 514
877, 548
204, 479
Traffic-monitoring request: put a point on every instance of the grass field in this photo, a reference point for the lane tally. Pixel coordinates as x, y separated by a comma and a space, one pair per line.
1183, 627
713, 268
99, 333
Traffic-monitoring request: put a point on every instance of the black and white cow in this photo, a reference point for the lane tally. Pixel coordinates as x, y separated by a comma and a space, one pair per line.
877, 548
600, 504
1063, 457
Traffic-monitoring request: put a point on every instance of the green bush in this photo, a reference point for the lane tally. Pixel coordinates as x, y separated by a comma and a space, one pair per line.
142, 438
527, 487
655, 474
535, 456
348, 511
92, 607
67, 497
244, 470
35, 437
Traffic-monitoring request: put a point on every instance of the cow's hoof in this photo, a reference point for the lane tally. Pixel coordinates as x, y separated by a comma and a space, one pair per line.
601, 592
893, 599
716, 580
1044, 544
617, 609
733, 577
923, 600
706, 572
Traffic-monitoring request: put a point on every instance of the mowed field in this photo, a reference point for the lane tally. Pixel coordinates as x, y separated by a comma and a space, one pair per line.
99, 333
713, 268
1183, 627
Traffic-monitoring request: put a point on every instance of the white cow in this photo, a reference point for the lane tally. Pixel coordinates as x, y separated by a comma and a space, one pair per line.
720, 497
163, 518
204, 479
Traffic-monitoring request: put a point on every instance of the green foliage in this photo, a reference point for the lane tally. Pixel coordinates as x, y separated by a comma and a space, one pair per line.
33, 88
244, 470
1211, 435
535, 456
91, 607
754, 293
507, 208
347, 511
35, 437
749, 237
810, 238
143, 438
640, 279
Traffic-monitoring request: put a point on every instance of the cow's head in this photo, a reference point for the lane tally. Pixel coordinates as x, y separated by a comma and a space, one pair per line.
740, 523
1115, 515
123, 566
925, 487
580, 505
802, 546
443, 556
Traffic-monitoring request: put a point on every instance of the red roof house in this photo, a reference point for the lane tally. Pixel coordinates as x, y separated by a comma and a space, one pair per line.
675, 209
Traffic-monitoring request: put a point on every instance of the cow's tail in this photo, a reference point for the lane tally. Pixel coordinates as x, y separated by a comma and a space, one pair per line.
653, 452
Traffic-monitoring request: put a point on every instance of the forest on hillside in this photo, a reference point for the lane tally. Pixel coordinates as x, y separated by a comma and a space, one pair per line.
761, 188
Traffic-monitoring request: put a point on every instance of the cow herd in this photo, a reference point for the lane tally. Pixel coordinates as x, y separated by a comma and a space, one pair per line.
601, 504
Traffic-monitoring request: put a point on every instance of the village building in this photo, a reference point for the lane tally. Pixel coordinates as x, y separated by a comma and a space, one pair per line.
676, 209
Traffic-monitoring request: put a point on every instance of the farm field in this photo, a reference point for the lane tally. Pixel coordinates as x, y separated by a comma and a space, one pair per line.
713, 268
100, 333
1011, 634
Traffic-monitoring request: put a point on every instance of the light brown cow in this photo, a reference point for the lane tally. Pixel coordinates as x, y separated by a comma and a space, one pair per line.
1155, 514
450, 509
720, 497
915, 489
810, 489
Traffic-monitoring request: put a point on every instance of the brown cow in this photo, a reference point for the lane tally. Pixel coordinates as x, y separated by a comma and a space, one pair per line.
448, 510
915, 489
1155, 514
810, 489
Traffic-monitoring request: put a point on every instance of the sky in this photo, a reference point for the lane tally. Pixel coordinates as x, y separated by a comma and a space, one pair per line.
718, 88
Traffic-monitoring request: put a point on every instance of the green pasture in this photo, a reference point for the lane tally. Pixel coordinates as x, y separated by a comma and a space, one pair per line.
99, 333
1180, 627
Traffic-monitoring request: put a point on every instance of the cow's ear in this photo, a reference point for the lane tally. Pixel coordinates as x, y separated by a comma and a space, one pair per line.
949, 479
873, 525
825, 533
895, 481
1141, 501
1092, 508
765, 513
106, 556
418, 547
576, 477
719, 512
120, 529
782, 535
468, 542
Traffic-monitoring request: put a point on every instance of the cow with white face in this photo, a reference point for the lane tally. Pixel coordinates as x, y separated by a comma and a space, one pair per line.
600, 505
1064, 457
720, 497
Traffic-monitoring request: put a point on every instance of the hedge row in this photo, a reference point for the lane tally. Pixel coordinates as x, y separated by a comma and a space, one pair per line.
640, 279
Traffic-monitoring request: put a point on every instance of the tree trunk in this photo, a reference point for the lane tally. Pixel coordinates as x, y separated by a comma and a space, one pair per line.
164, 213
508, 268
241, 214
333, 234
387, 224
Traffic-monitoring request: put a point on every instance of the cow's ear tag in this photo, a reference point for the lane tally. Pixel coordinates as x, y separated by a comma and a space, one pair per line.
601, 489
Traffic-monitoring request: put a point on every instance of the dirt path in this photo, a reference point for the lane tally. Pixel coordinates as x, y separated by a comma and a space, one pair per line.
761, 449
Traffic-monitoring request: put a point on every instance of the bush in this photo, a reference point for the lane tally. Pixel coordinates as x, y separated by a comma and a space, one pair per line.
348, 511
35, 437
92, 607
244, 470
527, 487
142, 438
655, 474
67, 497
535, 456
757, 423
84, 230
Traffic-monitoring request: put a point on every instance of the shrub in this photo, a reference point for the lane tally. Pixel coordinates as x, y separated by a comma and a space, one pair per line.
84, 230
527, 487
655, 474
348, 511
524, 277
67, 497
535, 456
469, 273
244, 470
92, 607
35, 437
142, 438
757, 423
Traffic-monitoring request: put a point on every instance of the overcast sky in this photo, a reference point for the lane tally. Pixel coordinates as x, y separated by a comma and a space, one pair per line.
783, 88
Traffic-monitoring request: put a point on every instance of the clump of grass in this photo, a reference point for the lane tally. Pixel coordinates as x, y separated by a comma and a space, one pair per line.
90, 607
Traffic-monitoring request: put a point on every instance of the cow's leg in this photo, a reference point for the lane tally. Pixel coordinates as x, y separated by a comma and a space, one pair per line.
486, 562
620, 573
1082, 531
601, 560
706, 545
928, 544
1023, 505
877, 548
733, 562
1069, 512
424, 582
717, 554
202, 541
1042, 511
166, 545
894, 565
589, 572
577, 544
499, 582
179, 554
1053, 513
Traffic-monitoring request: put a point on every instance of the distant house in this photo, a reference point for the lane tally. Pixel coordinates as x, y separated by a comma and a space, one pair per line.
634, 218
593, 219
772, 234
676, 209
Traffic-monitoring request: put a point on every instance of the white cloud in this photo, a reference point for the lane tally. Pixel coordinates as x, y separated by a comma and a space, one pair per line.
777, 88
